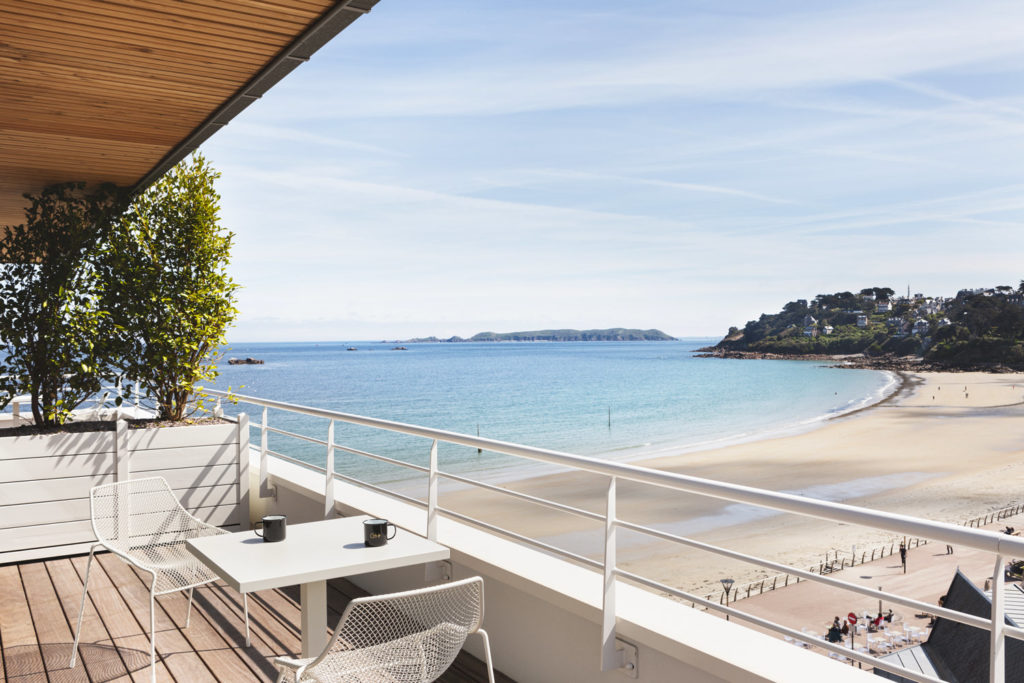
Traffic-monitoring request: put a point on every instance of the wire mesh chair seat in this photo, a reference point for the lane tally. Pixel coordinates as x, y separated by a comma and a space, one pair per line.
409, 637
175, 567
143, 522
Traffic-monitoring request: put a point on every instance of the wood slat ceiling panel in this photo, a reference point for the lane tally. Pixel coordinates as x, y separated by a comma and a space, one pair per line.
140, 33
44, 48
109, 91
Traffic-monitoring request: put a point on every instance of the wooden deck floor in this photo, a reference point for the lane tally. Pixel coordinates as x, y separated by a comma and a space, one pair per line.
39, 608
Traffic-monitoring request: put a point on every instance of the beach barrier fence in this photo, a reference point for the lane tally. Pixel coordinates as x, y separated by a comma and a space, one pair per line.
835, 560
991, 517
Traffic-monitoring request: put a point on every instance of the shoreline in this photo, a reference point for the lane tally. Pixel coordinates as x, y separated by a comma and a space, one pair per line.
509, 474
858, 361
918, 452
899, 382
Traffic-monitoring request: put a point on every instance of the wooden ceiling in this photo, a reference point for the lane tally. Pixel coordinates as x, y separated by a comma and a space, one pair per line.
121, 90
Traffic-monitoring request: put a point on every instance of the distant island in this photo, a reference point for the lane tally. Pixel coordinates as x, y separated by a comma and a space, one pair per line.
977, 329
613, 334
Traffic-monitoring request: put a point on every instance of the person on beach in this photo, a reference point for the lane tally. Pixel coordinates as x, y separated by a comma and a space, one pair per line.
949, 549
876, 623
834, 634
903, 556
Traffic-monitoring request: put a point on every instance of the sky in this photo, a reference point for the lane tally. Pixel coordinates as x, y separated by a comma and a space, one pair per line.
451, 167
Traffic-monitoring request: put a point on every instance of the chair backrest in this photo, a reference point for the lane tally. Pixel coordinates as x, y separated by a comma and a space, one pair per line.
136, 513
433, 621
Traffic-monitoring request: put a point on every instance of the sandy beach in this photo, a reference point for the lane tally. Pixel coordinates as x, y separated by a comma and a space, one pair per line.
945, 447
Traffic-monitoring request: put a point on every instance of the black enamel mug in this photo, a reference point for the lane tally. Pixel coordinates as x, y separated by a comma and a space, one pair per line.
375, 532
274, 527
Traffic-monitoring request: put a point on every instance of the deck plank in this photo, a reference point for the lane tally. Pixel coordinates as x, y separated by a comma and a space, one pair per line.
183, 662
222, 607
221, 655
23, 659
52, 630
95, 649
277, 635
125, 631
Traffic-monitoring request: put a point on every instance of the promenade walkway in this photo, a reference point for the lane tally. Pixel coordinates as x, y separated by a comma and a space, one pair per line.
810, 605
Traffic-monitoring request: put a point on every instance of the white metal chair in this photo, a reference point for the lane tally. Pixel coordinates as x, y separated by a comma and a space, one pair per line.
142, 522
409, 637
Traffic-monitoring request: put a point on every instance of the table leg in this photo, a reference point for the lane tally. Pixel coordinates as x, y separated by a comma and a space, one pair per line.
313, 597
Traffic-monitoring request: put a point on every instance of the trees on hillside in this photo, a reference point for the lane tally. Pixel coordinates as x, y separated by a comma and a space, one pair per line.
983, 328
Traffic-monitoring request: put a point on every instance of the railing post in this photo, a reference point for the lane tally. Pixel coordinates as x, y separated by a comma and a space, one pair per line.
432, 493
329, 473
266, 491
997, 659
244, 485
611, 658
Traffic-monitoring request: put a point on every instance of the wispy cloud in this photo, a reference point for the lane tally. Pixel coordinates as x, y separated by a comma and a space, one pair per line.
851, 44
448, 167
701, 188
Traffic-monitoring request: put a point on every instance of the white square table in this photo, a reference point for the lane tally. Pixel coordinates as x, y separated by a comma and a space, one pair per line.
311, 554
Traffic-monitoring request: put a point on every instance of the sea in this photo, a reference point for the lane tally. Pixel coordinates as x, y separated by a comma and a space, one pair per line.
615, 400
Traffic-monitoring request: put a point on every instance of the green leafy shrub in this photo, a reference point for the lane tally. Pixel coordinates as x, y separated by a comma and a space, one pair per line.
167, 290
51, 319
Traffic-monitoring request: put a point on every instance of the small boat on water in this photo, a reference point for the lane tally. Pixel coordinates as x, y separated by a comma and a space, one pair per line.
351, 348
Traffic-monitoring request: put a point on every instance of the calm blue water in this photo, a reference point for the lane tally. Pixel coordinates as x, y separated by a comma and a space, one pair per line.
550, 395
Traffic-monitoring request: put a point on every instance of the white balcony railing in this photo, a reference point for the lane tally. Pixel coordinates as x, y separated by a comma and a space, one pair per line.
998, 545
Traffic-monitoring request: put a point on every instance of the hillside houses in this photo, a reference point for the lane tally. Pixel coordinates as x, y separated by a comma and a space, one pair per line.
877, 322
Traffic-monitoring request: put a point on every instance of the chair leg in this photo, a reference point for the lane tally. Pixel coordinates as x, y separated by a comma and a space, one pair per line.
245, 605
81, 609
188, 614
487, 654
152, 632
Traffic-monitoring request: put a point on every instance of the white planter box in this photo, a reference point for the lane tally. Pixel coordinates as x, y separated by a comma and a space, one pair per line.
45, 480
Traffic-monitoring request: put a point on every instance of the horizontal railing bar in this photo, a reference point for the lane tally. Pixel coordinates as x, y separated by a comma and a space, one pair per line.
378, 489
953, 615
837, 512
346, 449
303, 463
353, 451
382, 458
524, 496
961, 617
778, 628
284, 432
351, 480
519, 537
